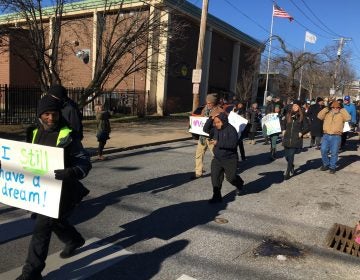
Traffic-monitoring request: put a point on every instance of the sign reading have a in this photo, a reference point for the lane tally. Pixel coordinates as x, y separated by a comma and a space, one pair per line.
27, 177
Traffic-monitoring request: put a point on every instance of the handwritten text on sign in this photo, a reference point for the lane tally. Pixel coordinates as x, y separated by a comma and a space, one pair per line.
197, 125
271, 124
27, 176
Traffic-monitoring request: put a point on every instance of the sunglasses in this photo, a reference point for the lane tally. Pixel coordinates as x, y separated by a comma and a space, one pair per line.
336, 107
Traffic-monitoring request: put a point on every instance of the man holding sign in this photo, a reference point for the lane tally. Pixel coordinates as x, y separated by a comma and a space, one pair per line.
52, 132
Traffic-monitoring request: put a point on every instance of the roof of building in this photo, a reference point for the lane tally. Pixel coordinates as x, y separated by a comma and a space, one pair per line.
182, 6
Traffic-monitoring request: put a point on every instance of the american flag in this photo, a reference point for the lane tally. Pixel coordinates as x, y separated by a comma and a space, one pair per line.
279, 12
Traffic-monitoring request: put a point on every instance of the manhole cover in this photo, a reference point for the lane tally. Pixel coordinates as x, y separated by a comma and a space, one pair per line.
221, 221
272, 247
341, 239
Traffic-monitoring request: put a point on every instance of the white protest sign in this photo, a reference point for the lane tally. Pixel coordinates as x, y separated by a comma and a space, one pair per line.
27, 177
346, 127
270, 124
197, 124
238, 122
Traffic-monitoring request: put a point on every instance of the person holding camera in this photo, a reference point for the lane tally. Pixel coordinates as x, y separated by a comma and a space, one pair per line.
334, 119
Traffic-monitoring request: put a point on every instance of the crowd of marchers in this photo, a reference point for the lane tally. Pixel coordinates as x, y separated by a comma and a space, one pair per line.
327, 121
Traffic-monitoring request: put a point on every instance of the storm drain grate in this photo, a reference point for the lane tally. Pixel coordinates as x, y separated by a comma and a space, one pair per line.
341, 239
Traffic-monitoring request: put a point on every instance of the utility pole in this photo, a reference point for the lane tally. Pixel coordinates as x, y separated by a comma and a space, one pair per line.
197, 72
337, 63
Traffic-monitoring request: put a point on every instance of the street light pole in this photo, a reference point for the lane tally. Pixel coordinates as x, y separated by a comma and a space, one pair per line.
337, 63
199, 59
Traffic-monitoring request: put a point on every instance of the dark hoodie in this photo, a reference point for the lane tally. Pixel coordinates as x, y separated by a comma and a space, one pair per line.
226, 137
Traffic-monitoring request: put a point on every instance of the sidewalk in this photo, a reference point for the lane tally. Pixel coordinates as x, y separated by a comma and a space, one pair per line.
125, 136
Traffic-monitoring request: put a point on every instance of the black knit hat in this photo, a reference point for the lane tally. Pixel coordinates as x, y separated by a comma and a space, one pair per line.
318, 99
48, 103
58, 91
297, 102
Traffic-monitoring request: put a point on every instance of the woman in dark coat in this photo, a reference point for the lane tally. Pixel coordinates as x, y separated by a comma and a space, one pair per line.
103, 130
295, 126
254, 117
316, 125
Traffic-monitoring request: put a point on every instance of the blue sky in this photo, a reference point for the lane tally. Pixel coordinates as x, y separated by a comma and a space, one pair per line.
329, 20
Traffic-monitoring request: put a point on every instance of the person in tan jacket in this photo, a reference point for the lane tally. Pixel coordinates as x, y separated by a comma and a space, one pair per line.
334, 119
212, 108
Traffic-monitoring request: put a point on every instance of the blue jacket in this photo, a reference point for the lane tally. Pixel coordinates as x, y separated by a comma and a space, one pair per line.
351, 109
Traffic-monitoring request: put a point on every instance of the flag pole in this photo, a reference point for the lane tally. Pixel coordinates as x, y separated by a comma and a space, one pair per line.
301, 71
269, 54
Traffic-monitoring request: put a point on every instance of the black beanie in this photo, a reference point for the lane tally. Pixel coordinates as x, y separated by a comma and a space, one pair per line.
297, 102
48, 103
58, 91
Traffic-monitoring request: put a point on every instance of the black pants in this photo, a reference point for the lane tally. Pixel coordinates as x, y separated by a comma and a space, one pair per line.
227, 167
39, 244
252, 135
315, 140
241, 148
289, 156
344, 136
101, 147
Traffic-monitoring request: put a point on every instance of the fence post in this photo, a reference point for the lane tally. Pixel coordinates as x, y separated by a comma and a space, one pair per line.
6, 91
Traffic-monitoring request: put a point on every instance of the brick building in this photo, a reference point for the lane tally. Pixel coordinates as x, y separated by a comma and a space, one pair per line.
168, 88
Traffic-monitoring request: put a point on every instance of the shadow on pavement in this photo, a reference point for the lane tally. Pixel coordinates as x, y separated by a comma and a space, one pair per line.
261, 184
141, 266
170, 221
92, 207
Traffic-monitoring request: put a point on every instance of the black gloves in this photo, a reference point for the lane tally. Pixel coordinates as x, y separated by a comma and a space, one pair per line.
67, 173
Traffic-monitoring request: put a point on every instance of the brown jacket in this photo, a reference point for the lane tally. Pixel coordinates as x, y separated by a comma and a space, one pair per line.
333, 123
216, 110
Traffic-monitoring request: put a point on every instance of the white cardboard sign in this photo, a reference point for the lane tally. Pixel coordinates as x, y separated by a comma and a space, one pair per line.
197, 123
270, 124
27, 179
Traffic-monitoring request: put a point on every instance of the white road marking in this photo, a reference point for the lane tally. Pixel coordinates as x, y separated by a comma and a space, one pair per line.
92, 258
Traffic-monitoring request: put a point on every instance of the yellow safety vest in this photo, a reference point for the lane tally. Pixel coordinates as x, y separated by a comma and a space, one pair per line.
64, 131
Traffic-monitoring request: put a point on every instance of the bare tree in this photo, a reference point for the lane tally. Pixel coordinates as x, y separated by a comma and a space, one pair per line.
28, 23
245, 84
122, 40
292, 63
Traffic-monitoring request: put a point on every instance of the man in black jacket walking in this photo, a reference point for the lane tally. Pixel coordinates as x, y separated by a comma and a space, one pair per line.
53, 132
225, 138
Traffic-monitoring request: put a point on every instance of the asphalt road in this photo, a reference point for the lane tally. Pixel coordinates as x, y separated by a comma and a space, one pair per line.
159, 224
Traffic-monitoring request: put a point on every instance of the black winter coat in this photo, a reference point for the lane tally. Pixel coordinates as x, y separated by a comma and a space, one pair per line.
226, 137
292, 129
254, 118
316, 125
75, 157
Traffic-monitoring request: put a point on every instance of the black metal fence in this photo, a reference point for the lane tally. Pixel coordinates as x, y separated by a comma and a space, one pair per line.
18, 104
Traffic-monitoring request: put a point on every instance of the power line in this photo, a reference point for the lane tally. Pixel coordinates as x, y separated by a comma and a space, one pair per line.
315, 16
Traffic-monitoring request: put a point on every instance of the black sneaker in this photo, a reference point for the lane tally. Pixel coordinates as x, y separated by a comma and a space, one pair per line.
332, 171
324, 168
286, 176
70, 248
